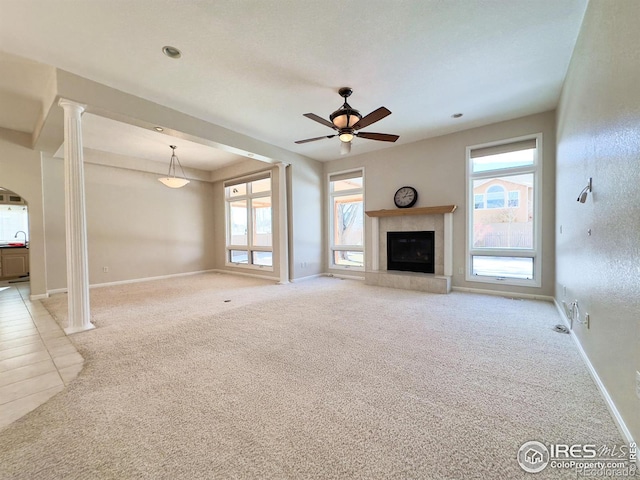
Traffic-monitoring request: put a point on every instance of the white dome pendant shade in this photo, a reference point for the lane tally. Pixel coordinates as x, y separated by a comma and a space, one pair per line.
174, 182
171, 180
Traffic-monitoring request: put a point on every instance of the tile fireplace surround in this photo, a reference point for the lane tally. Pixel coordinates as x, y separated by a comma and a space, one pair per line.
438, 219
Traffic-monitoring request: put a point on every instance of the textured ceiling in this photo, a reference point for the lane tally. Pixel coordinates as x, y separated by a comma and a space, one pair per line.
255, 66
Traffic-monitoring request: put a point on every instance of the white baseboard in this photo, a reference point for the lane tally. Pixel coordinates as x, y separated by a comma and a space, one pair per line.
308, 277
55, 291
346, 277
499, 293
619, 421
133, 280
243, 274
40, 296
148, 279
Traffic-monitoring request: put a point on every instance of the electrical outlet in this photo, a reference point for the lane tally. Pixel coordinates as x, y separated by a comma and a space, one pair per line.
638, 384
587, 319
105, 269
460, 271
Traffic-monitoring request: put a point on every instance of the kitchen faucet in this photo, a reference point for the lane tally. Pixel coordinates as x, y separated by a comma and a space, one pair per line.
22, 232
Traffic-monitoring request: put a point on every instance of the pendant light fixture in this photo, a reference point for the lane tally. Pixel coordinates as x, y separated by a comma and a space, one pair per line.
171, 180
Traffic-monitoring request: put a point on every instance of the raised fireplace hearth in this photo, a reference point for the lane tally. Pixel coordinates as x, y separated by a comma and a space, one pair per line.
411, 251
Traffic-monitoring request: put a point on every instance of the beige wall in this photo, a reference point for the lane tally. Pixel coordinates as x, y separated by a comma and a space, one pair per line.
136, 227
598, 136
436, 168
20, 172
307, 221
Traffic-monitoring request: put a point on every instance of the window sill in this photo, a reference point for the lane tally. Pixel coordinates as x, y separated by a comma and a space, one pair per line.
249, 267
345, 268
515, 282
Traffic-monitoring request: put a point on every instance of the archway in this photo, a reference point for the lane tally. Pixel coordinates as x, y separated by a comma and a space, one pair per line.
14, 238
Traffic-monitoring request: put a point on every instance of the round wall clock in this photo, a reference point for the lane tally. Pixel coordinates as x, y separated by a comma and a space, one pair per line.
405, 197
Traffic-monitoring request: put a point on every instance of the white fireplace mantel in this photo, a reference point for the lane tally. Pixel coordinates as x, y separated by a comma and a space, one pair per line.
447, 247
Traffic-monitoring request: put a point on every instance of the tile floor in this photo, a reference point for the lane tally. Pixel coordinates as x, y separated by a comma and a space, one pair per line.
37, 359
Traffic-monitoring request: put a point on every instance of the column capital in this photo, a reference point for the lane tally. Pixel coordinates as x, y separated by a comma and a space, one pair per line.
70, 104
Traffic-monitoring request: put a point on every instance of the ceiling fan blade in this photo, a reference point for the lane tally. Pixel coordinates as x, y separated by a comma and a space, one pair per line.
314, 139
321, 120
373, 117
383, 137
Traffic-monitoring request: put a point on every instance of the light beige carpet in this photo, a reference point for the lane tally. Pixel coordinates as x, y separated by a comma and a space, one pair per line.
322, 379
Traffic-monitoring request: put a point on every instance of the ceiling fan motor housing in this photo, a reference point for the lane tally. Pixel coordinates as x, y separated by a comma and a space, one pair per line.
345, 116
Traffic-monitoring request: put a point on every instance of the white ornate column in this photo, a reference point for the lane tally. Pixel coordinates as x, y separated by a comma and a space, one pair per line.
75, 216
283, 220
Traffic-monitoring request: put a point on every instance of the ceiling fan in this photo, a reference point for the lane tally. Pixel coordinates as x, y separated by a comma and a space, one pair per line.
348, 121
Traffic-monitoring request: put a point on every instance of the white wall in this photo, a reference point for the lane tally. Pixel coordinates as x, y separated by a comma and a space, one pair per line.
136, 227
20, 172
436, 168
599, 137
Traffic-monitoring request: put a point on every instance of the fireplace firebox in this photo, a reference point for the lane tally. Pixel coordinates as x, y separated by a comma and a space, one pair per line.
411, 251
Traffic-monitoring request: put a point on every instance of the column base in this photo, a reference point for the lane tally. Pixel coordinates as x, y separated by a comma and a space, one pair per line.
72, 330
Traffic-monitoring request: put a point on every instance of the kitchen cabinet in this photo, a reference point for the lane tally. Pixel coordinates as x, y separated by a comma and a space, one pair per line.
14, 262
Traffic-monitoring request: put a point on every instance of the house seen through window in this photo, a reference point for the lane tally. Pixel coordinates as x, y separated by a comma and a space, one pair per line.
503, 182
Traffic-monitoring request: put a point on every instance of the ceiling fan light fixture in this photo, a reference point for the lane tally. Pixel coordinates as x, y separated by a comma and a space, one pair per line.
171, 180
348, 123
345, 147
346, 137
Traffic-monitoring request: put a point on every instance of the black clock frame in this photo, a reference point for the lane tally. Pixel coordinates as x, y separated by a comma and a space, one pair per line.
410, 204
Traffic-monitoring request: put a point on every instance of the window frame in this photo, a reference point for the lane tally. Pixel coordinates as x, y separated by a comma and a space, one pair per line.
248, 197
536, 251
332, 248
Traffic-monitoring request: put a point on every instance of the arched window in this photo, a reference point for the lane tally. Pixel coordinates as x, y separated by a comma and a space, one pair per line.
495, 196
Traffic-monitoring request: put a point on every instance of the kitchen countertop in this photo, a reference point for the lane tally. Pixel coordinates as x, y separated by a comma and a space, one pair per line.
2, 245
